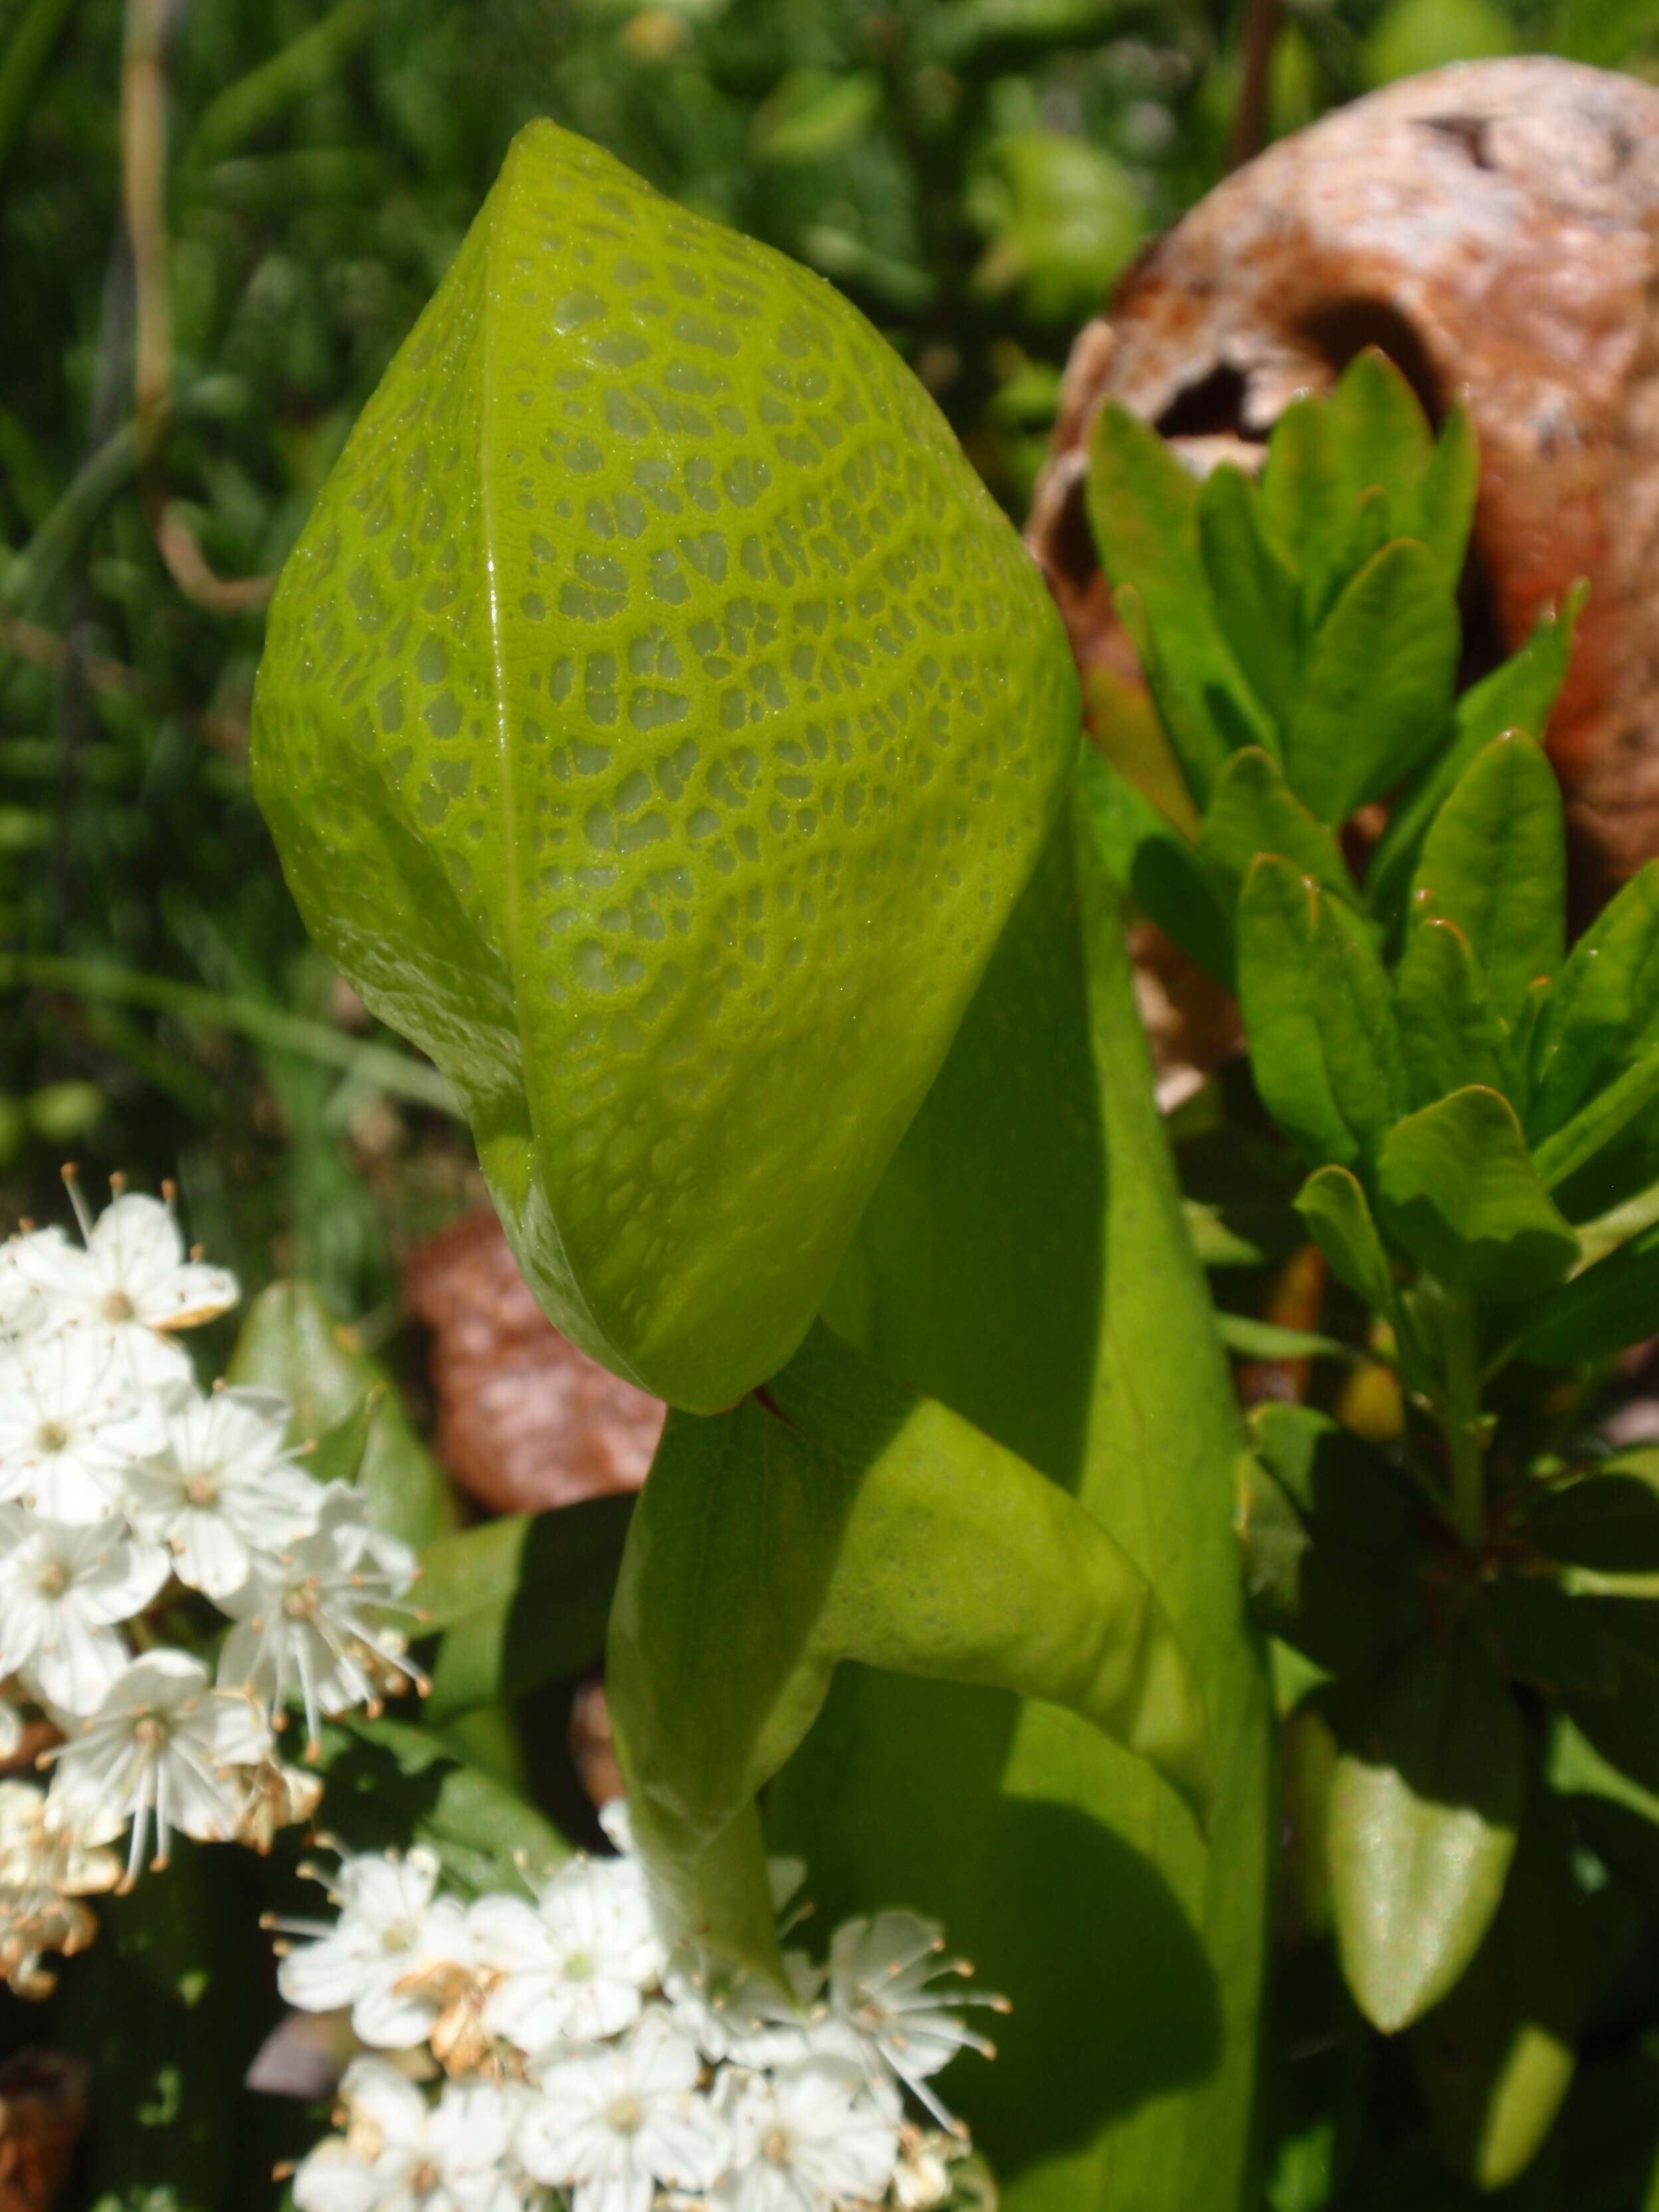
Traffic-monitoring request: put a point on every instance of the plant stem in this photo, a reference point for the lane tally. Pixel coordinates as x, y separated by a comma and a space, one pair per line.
1460, 1416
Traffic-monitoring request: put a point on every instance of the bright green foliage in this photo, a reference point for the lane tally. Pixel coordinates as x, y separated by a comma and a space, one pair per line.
1480, 1109
1027, 1264
838, 1516
344, 1405
1310, 618
1424, 1806
658, 721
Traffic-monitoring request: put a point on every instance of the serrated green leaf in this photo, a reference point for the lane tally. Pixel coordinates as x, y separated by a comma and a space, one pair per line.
519, 1602
1257, 598
1142, 506
1324, 1040
1608, 1520
1612, 1305
1254, 811
1151, 862
1604, 1007
1449, 1032
1379, 433
1456, 1187
1447, 494
604, 727
290, 1342
1376, 688
1338, 1214
1495, 2060
1517, 694
1425, 1806
842, 1518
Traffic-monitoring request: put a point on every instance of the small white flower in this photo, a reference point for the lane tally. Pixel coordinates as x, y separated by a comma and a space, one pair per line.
576, 1963
612, 2123
70, 1427
812, 2137
11, 1729
402, 2154
63, 1587
163, 1746
885, 2007
738, 2018
306, 1622
45, 1869
387, 1955
130, 1289
222, 1486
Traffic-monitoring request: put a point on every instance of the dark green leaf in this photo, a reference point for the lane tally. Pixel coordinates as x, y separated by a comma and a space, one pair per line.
1456, 1188
488, 712
1608, 1520
1027, 1262
1150, 860
1551, 1639
1257, 598
1324, 1042
1518, 695
1344, 1489
1611, 1306
842, 1518
1376, 689
389, 1785
1448, 1033
1494, 2061
1143, 506
1495, 863
1241, 1235
1604, 1007
291, 1342
165, 2010
521, 1600
1600, 1123
1254, 811
1426, 1800
1624, 1728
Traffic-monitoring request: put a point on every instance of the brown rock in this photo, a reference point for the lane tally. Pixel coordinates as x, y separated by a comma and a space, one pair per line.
1494, 228
42, 2111
525, 1420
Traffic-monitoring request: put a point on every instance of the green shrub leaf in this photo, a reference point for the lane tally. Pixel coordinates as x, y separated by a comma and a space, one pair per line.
1424, 1805
1624, 1728
1494, 2060
342, 1402
1257, 598
1377, 689
1456, 1188
840, 1517
1446, 496
1449, 1032
1151, 862
1143, 506
1324, 1040
1611, 1306
652, 654
1604, 1007
1608, 1520
1517, 694
1333, 1205
1253, 811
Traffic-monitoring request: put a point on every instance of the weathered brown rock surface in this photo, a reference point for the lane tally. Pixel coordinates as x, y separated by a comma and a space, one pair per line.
525, 1420
1494, 228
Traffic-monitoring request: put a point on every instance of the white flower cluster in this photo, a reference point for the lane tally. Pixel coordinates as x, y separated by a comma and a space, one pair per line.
124, 1487
597, 2058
